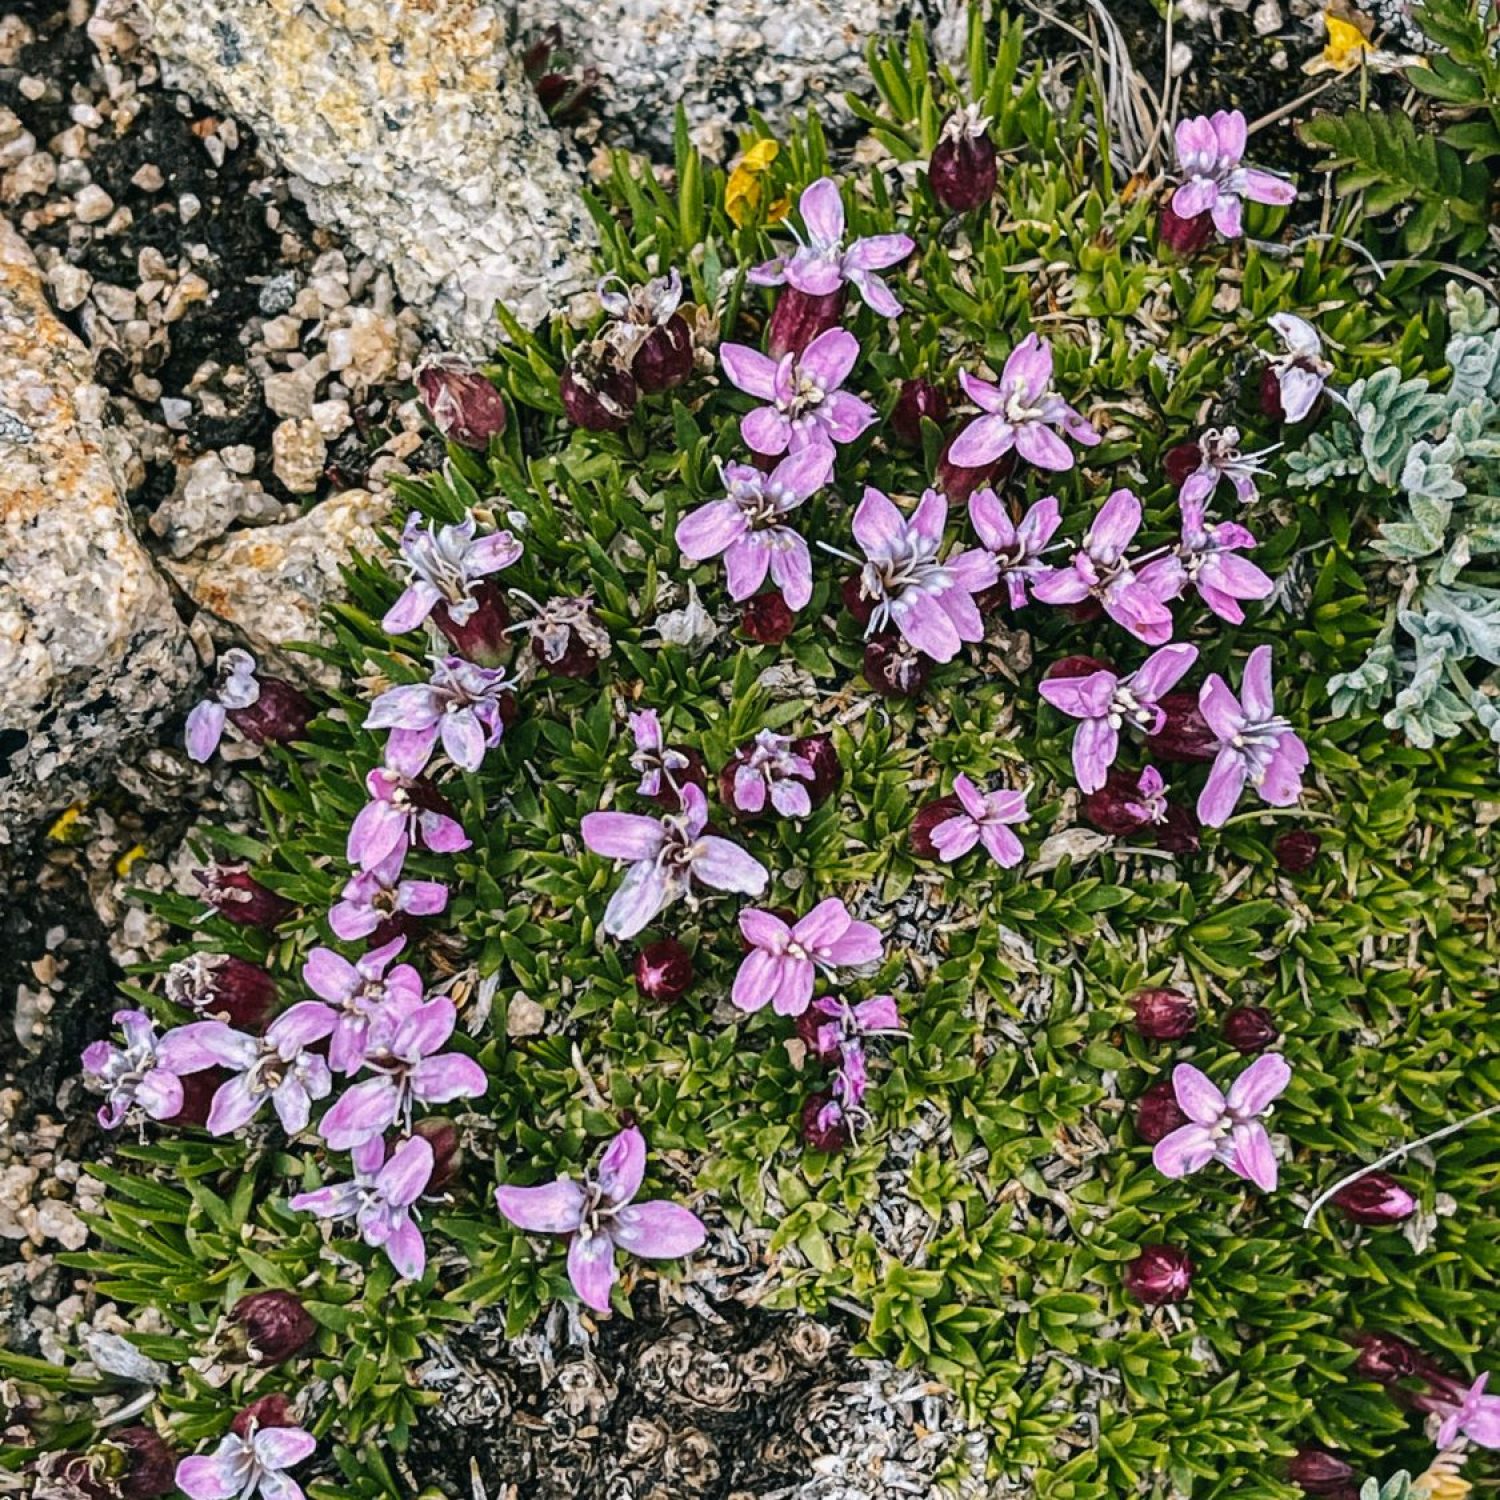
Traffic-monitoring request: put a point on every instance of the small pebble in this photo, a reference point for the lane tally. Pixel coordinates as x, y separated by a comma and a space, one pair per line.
148, 178
92, 204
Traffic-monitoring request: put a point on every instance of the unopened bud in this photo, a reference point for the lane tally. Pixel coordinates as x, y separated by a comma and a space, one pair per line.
663, 970
1158, 1275
800, 317
276, 1325
918, 399
1157, 1112
1250, 1029
894, 668
1184, 237
1164, 1015
964, 164
1375, 1199
767, 618
238, 897
463, 405
928, 817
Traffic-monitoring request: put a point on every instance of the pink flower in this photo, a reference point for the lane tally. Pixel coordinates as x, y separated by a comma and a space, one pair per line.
1206, 559
243, 1467
402, 811
599, 1215
783, 961
1208, 156
410, 1069
1102, 571
1017, 547
132, 1074
445, 562
264, 709
771, 770
360, 1000
380, 1200
747, 526
838, 1035
459, 705
667, 856
276, 1066
657, 761
1477, 1418
807, 405
1106, 703
929, 599
1300, 371
822, 265
372, 898
1019, 413
1225, 1129
1219, 457
1256, 745
983, 818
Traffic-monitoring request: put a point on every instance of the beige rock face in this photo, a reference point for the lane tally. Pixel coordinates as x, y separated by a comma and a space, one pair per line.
271, 584
92, 653
413, 131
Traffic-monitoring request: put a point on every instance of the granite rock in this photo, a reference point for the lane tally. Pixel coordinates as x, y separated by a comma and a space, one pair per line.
270, 585
412, 131
92, 653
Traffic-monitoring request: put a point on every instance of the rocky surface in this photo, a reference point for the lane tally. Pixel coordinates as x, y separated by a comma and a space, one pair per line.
92, 653
412, 130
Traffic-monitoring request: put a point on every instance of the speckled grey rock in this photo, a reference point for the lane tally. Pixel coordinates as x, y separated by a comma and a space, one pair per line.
719, 58
92, 654
412, 131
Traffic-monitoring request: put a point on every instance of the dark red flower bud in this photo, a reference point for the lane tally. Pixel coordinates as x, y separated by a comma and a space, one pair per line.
1321, 1473
274, 1410
1249, 1029
894, 668
1157, 1112
1184, 237
811, 1026
800, 317
538, 52
694, 773
1297, 852
918, 398
827, 773
485, 636
278, 716
1270, 395
1158, 1275
1375, 1199
1384, 1358
223, 988
133, 1463
767, 618
276, 1325
447, 1153
1179, 832
856, 601
464, 406
1184, 734
1164, 1015
957, 482
596, 393
919, 835
663, 970
964, 164
1075, 666
198, 1090
237, 896
1181, 462
665, 358
824, 1127
1117, 807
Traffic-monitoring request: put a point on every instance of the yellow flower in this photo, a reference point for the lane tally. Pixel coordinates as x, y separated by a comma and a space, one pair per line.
63, 831
128, 858
1442, 1481
1348, 48
743, 194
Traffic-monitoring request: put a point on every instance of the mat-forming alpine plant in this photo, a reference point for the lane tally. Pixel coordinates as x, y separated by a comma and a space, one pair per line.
822, 263
381, 1199
1255, 744
132, 1075
1207, 560
1020, 413
928, 598
1227, 1128
1100, 570
244, 1466
445, 563
1017, 546
410, 1069
599, 1215
1210, 151
263, 708
1298, 375
667, 858
458, 706
784, 960
982, 818
748, 526
402, 812
381, 899
807, 405
359, 1001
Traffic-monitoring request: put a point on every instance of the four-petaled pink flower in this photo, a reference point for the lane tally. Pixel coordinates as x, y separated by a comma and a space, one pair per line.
132, 1074
1256, 745
1017, 547
1209, 150
1020, 412
445, 562
807, 407
1207, 560
242, 1467
822, 265
276, 1066
1101, 570
783, 961
1229, 1129
410, 1069
1106, 704
235, 686
358, 1000
666, 856
379, 1199
984, 818
769, 769
600, 1213
929, 599
378, 895
1300, 370
748, 527
1477, 1417
653, 757
1219, 457
459, 705
402, 811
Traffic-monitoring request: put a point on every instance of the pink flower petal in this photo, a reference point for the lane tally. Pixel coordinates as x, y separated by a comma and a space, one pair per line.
553, 1208
621, 835
591, 1269
658, 1230
1198, 1096
623, 1166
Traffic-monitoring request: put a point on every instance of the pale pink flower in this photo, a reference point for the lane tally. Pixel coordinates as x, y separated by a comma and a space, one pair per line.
1256, 745
241, 1468
1209, 152
132, 1074
1020, 412
402, 811
807, 405
1017, 547
358, 1000
1477, 1418
984, 817
783, 961
1227, 1129
1207, 559
1301, 372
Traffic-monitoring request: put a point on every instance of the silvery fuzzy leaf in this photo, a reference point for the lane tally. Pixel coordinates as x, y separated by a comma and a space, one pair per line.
1326, 455
1476, 366
1367, 685
1391, 413
117, 1356
1469, 310
1472, 614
